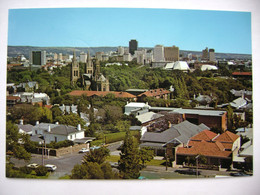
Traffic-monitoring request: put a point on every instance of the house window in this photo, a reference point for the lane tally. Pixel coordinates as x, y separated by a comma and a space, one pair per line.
36, 132
70, 136
55, 139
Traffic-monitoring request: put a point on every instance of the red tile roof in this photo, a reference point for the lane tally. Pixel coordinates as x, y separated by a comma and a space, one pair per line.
242, 73
213, 149
13, 98
155, 92
48, 106
204, 135
102, 93
227, 137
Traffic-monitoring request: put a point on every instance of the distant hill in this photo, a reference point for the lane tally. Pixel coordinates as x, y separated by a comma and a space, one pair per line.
13, 51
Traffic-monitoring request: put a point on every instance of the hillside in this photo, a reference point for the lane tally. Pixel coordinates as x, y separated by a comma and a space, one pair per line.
13, 51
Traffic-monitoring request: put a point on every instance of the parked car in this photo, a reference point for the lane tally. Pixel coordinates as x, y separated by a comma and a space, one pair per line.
33, 166
238, 174
188, 171
51, 167
83, 150
94, 147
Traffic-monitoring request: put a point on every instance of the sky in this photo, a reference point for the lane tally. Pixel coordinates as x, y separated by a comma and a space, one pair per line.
225, 31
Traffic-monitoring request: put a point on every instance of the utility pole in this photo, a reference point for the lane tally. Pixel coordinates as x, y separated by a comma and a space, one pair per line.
197, 163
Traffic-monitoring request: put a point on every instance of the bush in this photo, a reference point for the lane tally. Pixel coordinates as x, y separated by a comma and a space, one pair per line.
41, 171
26, 170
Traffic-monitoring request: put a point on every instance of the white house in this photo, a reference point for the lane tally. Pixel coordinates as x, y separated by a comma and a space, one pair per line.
135, 106
56, 132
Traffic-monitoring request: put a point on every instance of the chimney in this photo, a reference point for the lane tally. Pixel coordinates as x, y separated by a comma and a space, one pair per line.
49, 128
79, 127
21, 122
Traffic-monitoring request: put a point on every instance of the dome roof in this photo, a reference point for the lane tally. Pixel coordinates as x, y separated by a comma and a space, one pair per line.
181, 65
208, 67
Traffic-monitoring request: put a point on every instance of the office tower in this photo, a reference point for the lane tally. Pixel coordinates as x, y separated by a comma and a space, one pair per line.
158, 53
120, 50
133, 45
37, 57
60, 57
205, 54
74, 69
171, 53
99, 55
212, 55
83, 57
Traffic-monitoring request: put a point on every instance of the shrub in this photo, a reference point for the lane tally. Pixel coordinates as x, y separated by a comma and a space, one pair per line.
41, 171
26, 170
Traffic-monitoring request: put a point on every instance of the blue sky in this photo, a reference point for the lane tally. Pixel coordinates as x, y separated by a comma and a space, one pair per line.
227, 32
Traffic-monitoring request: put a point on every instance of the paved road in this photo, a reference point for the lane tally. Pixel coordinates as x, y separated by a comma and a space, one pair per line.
64, 163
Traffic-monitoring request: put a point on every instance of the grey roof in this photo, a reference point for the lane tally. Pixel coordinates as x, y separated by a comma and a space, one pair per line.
180, 133
248, 152
63, 130
36, 138
26, 128
200, 112
204, 127
148, 116
44, 126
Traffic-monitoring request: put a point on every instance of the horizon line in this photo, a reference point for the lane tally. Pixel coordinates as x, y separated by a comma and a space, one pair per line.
124, 46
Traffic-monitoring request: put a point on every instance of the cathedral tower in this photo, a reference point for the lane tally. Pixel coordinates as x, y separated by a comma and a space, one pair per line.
74, 69
89, 65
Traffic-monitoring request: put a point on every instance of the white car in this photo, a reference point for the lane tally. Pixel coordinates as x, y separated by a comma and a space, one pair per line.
33, 165
51, 167
83, 150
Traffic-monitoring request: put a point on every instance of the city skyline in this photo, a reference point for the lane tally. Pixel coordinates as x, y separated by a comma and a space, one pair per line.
225, 31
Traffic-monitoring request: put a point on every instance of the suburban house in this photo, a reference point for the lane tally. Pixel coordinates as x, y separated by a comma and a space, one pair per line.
156, 93
25, 129
172, 138
33, 98
103, 94
56, 132
12, 100
219, 150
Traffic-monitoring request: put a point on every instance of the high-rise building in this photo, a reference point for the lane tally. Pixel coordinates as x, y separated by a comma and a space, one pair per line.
83, 57
37, 57
212, 55
133, 45
205, 54
171, 53
99, 55
120, 50
158, 53
74, 69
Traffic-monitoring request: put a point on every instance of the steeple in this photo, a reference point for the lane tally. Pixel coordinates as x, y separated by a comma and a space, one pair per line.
74, 69
89, 65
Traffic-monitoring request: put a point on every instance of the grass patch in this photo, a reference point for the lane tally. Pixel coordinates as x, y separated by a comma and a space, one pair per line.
65, 177
156, 162
113, 158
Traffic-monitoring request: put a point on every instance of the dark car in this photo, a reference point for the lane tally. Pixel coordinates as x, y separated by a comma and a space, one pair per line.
188, 171
239, 174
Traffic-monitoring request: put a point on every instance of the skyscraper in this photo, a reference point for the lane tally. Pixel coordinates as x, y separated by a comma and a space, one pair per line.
212, 55
158, 53
133, 44
205, 54
171, 53
37, 57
